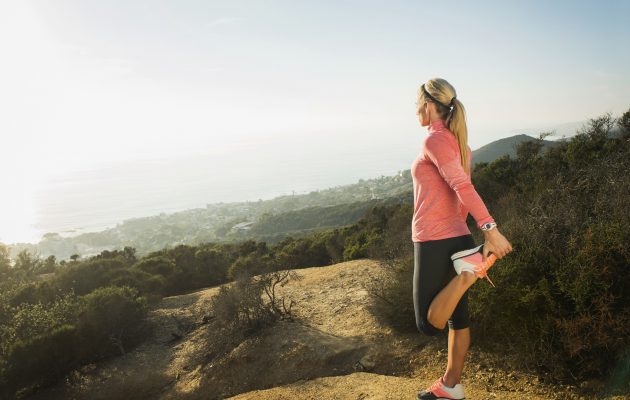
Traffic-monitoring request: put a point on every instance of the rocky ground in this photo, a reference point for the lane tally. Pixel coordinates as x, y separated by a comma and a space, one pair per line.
333, 349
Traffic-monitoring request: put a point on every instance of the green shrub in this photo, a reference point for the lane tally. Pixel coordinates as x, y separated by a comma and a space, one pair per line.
41, 342
159, 265
250, 265
111, 320
41, 359
561, 294
84, 277
211, 265
357, 245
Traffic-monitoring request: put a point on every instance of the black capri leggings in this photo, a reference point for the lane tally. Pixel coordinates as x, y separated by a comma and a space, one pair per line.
433, 270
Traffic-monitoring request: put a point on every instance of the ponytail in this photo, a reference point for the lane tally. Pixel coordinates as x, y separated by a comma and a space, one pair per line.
442, 93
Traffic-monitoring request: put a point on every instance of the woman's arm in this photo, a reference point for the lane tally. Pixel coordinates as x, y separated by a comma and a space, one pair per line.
446, 158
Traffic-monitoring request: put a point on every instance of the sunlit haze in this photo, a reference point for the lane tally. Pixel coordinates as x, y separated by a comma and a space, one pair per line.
87, 85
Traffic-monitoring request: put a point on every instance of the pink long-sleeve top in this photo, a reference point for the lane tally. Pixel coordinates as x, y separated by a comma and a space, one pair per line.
443, 192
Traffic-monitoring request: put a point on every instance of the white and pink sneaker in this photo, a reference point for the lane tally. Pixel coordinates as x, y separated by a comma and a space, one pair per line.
439, 390
471, 260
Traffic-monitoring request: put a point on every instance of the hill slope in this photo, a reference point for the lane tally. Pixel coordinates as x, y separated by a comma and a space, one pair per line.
498, 148
335, 349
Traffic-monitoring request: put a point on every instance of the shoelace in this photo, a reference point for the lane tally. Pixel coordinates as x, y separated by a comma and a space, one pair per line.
435, 385
483, 270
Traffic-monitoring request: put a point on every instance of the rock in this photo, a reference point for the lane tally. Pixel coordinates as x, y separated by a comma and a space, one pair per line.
368, 361
591, 385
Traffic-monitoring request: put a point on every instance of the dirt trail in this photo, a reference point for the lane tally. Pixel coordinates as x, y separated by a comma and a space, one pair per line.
334, 349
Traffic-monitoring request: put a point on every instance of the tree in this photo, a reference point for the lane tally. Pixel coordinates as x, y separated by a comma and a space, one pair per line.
27, 264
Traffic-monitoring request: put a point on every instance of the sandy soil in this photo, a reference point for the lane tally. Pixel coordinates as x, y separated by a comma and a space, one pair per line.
333, 349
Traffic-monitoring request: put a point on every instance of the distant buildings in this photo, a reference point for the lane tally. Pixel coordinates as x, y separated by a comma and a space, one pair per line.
243, 226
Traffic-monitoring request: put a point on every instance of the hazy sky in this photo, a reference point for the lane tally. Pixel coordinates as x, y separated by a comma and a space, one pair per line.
84, 83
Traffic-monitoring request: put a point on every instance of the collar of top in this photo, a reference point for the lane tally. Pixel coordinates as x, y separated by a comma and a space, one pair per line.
436, 125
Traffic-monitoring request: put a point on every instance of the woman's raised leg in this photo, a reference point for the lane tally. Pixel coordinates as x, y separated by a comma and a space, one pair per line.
444, 303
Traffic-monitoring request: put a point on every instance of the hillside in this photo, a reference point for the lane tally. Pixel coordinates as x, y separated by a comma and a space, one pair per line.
498, 148
334, 349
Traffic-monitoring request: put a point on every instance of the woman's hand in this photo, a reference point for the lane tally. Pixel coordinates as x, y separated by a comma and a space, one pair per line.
495, 243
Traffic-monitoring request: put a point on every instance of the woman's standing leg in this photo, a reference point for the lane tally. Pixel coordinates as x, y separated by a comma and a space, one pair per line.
432, 267
458, 343
459, 331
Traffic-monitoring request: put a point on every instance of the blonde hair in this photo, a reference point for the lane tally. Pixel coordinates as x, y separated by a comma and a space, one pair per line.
455, 118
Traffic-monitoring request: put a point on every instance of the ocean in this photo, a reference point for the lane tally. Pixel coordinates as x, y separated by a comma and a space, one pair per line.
96, 199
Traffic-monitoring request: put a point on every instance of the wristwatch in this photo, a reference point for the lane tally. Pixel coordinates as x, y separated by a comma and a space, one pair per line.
488, 225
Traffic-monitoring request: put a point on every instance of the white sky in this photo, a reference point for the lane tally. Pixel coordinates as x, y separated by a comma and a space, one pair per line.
89, 83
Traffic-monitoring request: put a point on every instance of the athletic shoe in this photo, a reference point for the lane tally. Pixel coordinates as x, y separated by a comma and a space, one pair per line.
471, 260
438, 390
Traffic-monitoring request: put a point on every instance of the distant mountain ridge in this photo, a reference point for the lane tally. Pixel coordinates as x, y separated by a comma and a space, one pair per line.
498, 148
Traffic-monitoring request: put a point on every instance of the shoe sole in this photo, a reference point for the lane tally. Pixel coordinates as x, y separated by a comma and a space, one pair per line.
465, 253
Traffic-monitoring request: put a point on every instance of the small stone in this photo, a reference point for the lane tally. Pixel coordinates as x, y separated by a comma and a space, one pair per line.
368, 362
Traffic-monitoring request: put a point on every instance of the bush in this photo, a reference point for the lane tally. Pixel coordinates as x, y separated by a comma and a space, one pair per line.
211, 265
392, 290
245, 306
84, 277
250, 265
560, 294
240, 307
302, 252
357, 245
41, 359
111, 320
42, 342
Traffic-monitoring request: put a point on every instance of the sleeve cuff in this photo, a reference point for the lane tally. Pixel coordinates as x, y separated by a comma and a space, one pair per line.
485, 221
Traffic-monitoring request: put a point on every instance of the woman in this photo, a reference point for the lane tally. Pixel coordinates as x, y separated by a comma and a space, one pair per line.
443, 196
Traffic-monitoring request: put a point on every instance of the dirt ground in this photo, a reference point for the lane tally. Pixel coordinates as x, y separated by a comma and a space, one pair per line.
333, 349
